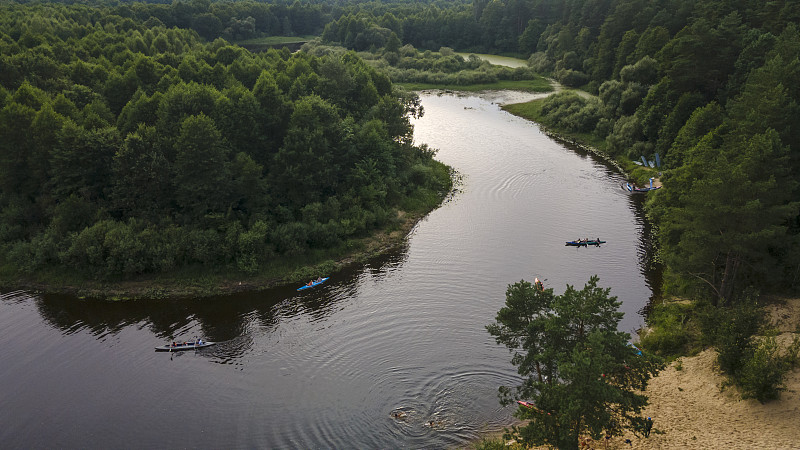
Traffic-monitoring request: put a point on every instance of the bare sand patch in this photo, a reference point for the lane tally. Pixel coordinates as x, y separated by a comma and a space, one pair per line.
691, 410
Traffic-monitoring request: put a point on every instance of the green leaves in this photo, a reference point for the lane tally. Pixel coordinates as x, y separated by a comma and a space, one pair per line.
131, 129
579, 371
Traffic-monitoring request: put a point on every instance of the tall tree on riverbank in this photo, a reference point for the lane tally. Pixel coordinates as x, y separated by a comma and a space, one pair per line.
581, 374
733, 221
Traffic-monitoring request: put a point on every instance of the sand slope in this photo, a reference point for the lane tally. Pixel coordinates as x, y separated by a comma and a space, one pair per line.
692, 411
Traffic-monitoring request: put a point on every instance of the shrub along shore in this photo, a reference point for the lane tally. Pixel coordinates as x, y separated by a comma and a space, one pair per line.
201, 282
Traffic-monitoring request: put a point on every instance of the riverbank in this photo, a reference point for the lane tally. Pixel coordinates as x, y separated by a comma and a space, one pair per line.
692, 405
206, 283
584, 142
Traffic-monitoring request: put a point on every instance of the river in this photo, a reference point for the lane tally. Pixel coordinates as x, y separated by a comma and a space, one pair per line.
497, 60
331, 367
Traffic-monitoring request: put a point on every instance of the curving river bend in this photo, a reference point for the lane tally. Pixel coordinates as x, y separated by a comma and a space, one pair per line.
329, 368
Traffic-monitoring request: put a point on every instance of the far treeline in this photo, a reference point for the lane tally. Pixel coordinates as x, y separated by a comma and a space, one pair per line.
128, 147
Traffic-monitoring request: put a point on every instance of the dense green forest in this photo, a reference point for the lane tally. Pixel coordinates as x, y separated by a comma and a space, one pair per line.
101, 106
710, 86
128, 146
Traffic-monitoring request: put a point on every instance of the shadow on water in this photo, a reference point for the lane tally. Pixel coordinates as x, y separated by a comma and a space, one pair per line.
648, 263
218, 318
328, 366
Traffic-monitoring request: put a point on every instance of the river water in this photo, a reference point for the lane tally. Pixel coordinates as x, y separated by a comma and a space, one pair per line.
331, 367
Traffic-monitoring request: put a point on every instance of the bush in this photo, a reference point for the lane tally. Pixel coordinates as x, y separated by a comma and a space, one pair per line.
252, 248
674, 330
571, 78
731, 330
571, 112
540, 63
87, 250
761, 375
627, 131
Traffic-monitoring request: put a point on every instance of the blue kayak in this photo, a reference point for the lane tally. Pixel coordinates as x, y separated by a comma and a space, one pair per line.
313, 283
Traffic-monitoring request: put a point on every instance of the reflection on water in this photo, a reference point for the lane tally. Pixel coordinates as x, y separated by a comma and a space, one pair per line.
391, 353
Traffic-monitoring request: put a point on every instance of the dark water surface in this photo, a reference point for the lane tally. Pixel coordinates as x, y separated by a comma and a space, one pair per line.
327, 368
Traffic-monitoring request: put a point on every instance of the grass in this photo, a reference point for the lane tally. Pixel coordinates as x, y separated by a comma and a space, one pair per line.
673, 329
532, 110
537, 85
276, 40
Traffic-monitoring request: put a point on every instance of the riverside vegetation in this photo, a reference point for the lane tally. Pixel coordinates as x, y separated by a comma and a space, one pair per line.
116, 119
130, 149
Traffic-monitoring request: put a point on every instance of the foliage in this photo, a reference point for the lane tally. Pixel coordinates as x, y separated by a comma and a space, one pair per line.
732, 329
409, 66
733, 219
673, 329
754, 363
762, 374
581, 374
572, 112
130, 146
496, 444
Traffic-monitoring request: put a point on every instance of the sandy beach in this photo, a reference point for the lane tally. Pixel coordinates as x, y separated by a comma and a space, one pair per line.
691, 409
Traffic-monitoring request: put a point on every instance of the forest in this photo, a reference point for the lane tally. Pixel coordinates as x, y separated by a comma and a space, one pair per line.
102, 104
709, 86
128, 147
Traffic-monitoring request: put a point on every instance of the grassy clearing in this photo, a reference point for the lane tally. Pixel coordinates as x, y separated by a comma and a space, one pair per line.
532, 110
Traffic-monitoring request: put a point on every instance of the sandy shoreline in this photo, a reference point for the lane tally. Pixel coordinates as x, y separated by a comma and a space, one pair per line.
690, 410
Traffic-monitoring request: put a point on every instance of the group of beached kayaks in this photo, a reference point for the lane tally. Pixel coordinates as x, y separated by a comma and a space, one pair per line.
632, 188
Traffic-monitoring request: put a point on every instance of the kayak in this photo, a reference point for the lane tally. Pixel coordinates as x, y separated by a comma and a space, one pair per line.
585, 243
530, 405
179, 346
638, 190
315, 283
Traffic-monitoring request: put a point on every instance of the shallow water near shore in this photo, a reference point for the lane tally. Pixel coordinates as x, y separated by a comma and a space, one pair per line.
389, 354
